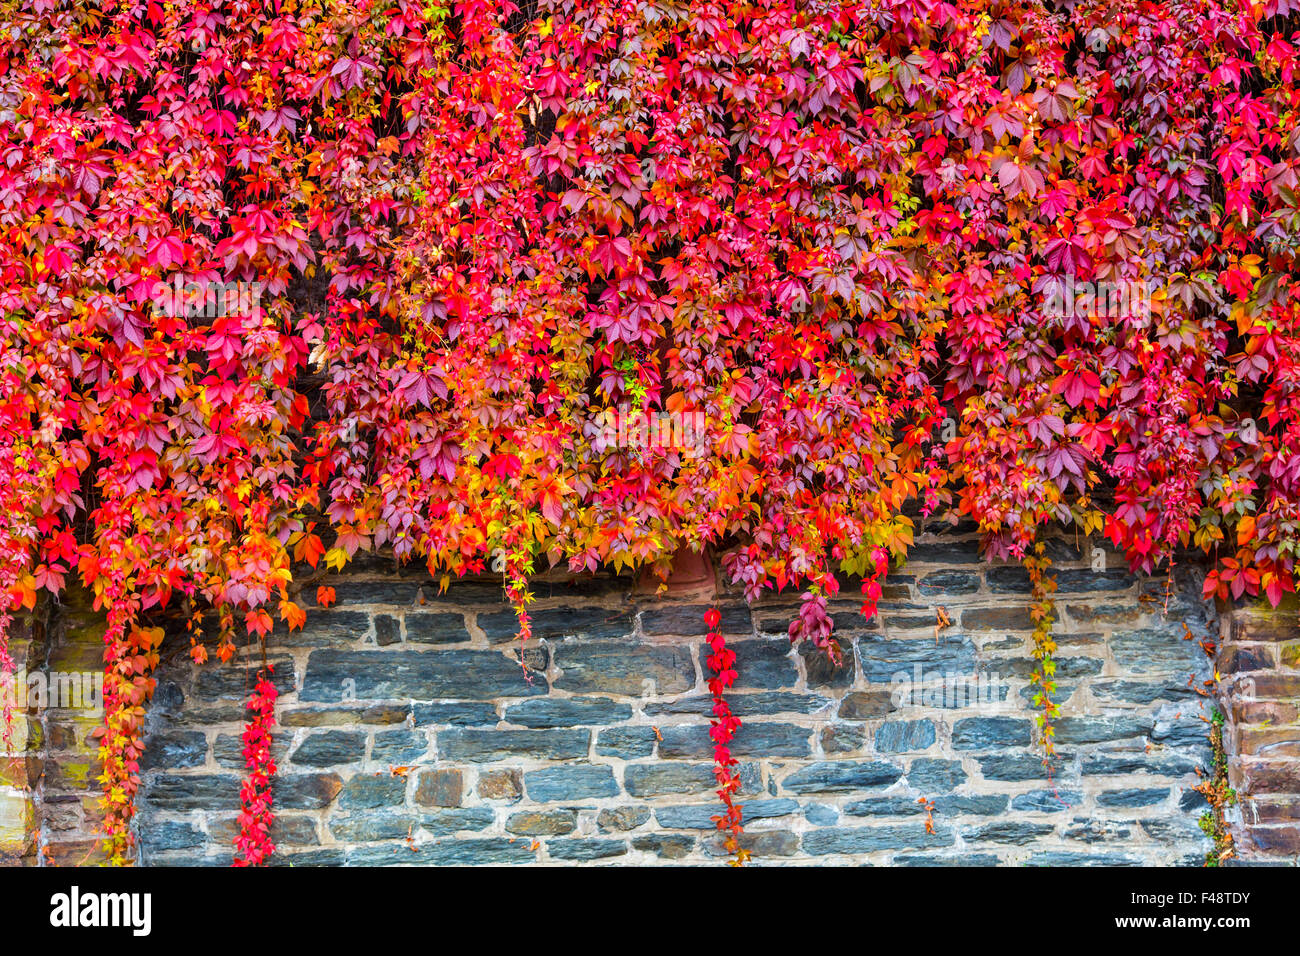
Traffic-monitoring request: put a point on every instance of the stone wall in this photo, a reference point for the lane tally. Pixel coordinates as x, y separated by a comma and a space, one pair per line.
18, 768
54, 763
1259, 659
409, 732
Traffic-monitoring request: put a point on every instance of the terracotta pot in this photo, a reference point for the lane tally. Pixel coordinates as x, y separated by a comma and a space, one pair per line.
692, 575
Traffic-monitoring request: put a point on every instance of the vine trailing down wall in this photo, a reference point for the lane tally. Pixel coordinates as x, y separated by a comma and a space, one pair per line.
871, 247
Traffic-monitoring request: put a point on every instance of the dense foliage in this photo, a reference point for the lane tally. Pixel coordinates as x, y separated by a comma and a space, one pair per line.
839, 232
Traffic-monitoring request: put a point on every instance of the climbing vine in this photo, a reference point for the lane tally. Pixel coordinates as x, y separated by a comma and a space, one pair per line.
724, 724
254, 844
1219, 795
283, 283
1041, 612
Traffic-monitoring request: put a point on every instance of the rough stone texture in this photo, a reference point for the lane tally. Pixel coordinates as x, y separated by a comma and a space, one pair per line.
17, 827
1259, 660
49, 813
409, 733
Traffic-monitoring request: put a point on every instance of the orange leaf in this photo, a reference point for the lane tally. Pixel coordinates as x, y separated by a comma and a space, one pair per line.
309, 549
1245, 529
292, 615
